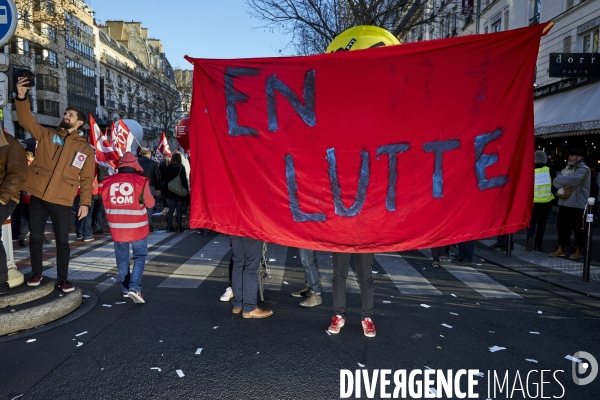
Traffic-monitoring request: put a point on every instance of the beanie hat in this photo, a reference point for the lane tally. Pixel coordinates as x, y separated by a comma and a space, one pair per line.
129, 160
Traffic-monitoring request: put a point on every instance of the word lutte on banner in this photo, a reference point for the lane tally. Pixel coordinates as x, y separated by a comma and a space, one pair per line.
386, 149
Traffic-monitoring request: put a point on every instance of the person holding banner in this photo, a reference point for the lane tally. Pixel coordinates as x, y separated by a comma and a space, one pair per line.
364, 273
64, 161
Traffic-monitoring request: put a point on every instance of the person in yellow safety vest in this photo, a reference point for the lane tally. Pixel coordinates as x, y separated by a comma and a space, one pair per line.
542, 202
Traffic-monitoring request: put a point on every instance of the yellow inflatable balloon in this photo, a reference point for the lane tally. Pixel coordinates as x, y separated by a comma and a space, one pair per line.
362, 37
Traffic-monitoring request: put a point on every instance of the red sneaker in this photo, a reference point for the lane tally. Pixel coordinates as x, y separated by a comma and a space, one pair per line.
35, 280
337, 322
368, 327
65, 286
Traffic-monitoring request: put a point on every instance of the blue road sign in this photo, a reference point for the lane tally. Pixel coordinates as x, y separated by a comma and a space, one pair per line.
8, 20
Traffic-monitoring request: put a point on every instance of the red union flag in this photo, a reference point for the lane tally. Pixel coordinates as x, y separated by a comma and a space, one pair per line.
163, 146
121, 138
105, 154
394, 148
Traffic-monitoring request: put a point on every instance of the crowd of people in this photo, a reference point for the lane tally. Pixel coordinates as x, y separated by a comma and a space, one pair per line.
63, 176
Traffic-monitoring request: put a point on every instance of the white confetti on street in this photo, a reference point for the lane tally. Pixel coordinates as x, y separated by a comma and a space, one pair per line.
82, 333
361, 365
199, 351
425, 306
180, 373
447, 326
31, 340
531, 360
496, 348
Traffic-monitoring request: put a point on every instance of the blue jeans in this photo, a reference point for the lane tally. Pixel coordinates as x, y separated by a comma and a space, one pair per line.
246, 259
311, 273
466, 250
133, 280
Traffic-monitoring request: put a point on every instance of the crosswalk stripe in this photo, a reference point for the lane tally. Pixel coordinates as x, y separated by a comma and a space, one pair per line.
277, 267
107, 283
480, 282
194, 271
94, 263
24, 253
476, 280
407, 279
325, 264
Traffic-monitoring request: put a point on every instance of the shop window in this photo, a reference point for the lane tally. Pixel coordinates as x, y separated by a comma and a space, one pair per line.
589, 41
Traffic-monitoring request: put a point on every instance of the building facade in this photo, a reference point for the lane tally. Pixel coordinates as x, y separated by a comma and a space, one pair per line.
565, 109
112, 71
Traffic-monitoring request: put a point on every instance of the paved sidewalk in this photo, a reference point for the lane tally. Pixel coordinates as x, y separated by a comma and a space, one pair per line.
529, 264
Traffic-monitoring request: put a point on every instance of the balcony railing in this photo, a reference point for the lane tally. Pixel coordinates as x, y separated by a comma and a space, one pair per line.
535, 19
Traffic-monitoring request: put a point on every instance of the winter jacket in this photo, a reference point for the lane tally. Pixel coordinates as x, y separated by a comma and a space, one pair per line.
13, 168
573, 176
172, 171
53, 177
151, 171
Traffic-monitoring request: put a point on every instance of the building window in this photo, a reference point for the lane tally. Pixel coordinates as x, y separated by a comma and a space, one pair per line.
570, 3
48, 107
497, 25
47, 82
79, 37
590, 41
535, 16
45, 57
19, 46
45, 30
567, 44
81, 86
506, 20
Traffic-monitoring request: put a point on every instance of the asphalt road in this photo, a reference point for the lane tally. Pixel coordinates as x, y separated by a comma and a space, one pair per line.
290, 355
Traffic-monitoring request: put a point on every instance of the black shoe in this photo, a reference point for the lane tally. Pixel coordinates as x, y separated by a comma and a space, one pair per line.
457, 260
4, 288
151, 228
22, 243
180, 228
98, 232
170, 228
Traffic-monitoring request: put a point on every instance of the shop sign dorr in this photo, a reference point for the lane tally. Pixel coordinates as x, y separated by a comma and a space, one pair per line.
574, 65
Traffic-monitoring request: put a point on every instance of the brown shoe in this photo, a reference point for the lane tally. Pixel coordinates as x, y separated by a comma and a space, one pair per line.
236, 310
558, 252
258, 313
576, 254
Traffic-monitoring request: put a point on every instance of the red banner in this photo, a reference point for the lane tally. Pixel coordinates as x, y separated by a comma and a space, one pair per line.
395, 148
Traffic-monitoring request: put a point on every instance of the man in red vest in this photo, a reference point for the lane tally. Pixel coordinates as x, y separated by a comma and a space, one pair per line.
125, 196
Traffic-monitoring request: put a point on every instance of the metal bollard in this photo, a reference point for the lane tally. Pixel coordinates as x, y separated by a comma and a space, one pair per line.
589, 219
509, 245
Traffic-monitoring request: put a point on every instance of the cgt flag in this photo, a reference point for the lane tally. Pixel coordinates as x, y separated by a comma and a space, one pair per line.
393, 148
105, 154
163, 146
121, 138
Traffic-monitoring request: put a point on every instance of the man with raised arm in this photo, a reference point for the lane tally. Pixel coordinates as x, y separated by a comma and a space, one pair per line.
64, 161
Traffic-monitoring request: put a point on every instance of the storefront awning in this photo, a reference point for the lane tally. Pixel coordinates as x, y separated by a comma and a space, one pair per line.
574, 112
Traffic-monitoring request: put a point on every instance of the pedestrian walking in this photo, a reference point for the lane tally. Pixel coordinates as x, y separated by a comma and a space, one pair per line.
126, 196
